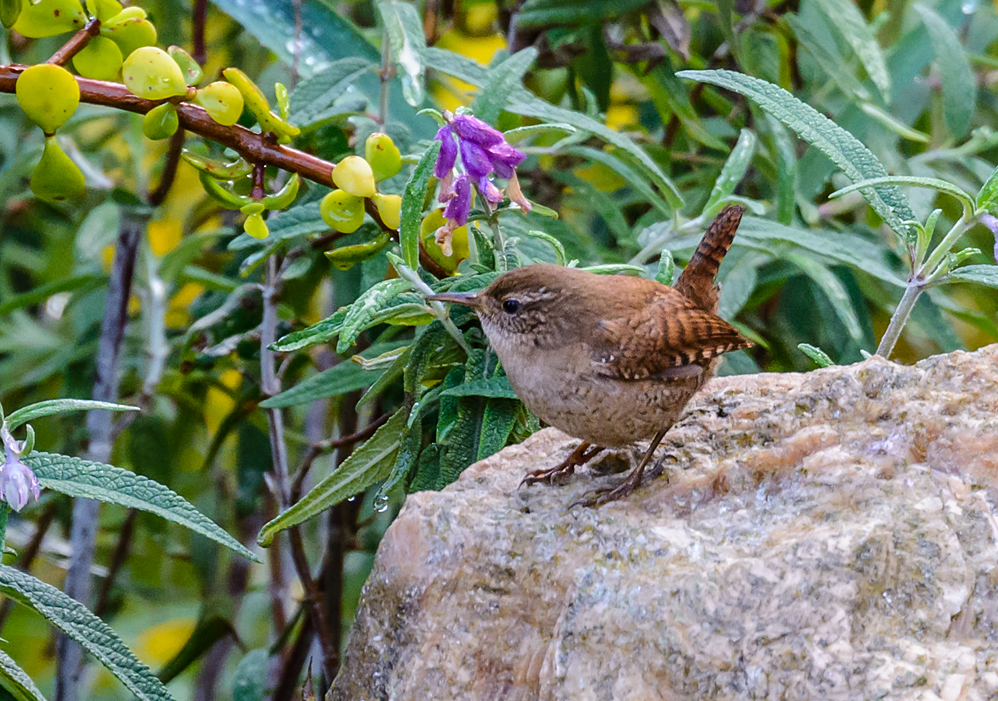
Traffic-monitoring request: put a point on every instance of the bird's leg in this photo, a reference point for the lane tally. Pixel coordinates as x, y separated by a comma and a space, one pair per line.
601, 497
580, 456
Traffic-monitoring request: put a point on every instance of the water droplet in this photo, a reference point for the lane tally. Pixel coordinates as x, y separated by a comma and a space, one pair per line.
381, 503
969, 7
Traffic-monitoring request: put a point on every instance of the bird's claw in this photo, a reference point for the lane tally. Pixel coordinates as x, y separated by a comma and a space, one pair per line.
599, 497
565, 469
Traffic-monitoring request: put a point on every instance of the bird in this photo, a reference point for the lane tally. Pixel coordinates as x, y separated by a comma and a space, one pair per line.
610, 359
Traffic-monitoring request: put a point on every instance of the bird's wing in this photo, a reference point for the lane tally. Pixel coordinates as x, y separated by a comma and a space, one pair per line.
668, 337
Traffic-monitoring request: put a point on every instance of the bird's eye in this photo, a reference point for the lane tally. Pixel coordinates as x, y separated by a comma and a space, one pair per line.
510, 306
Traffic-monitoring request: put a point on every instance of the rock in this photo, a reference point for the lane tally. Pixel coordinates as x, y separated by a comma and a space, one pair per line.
829, 535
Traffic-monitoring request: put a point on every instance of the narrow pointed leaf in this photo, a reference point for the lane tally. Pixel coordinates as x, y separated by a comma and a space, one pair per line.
16, 681
731, 173
412, 205
60, 406
848, 19
78, 623
955, 73
81, 478
844, 149
494, 387
502, 80
367, 465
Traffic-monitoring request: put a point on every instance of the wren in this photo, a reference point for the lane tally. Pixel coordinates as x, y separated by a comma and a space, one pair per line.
612, 360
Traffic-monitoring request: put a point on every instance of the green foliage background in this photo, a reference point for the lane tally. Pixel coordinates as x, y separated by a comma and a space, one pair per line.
646, 159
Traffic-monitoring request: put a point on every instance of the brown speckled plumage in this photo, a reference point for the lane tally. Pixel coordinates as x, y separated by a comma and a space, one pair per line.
610, 359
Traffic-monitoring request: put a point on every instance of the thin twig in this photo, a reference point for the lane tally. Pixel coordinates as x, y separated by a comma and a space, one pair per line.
198, 21
83, 535
327, 446
158, 196
121, 551
256, 148
76, 43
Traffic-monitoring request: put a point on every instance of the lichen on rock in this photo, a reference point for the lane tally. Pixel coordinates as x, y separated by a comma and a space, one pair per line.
828, 535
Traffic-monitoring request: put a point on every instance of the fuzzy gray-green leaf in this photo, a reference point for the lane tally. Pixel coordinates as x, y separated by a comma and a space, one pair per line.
955, 73
78, 623
16, 681
502, 79
81, 478
844, 149
60, 406
412, 205
367, 465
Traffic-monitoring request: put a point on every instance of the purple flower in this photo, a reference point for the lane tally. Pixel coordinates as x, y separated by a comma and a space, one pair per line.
489, 190
475, 160
504, 158
459, 205
17, 481
476, 131
992, 223
448, 152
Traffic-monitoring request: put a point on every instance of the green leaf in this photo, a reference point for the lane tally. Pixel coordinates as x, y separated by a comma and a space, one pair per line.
848, 249
666, 271
412, 442
932, 183
412, 205
786, 177
515, 136
502, 80
60, 406
832, 288
389, 376
614, 269
987, 197
840, 146
405, 33
955, 74
497, 423
670, 98
10, 10
339, 379
80, 478
366, 307
525, 103
425, 349
39, 294
96, 637
847, 18
494, 387
319, 332
559, 250
368, 464
821, 45
329, 37
461, 438
981, 274
539, 13
16, 681
732, 172
632, 178
819, 356
314, 95
250, 679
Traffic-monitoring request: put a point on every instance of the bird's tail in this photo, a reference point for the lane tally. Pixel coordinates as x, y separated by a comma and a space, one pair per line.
697, 281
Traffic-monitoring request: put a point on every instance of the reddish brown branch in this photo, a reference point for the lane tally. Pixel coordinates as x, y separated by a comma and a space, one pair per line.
253, 147
158, 196
76, 44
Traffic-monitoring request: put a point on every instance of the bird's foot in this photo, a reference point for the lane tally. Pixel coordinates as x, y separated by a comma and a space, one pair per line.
580, 456
599, 497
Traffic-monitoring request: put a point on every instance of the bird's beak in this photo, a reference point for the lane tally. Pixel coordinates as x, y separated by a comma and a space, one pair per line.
468, 299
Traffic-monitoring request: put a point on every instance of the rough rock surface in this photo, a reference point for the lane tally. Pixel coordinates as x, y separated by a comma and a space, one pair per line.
829, 535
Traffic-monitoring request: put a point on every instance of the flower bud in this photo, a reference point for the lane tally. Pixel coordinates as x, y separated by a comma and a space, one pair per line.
460, 204
475, 160
448, 152
476, 131
17, 482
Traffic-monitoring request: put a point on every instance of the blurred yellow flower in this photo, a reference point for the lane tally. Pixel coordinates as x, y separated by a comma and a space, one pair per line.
159, 644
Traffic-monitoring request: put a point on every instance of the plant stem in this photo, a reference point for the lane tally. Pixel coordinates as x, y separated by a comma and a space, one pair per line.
901, 314
252, 146
83, 535
4, 513
76, 44
386, 78
271, 385
944, 247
